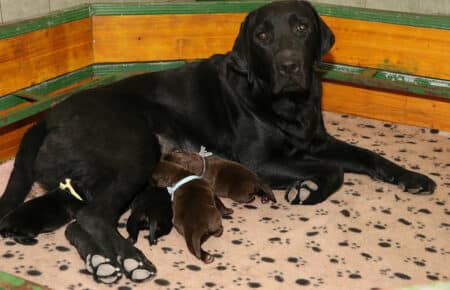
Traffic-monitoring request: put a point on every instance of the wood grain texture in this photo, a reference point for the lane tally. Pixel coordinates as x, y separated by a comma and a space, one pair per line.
37, 56
387, 106
163, 37
400, 48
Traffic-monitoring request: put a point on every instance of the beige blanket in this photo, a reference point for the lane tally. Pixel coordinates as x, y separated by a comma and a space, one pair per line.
368, 235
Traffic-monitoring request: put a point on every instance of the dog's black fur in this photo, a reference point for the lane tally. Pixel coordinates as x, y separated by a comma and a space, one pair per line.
150, 210
259, 104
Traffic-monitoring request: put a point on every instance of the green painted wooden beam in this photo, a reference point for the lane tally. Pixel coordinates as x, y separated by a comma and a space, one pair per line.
107, 73
99, 9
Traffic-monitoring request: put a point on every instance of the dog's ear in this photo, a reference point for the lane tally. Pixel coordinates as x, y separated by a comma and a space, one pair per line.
326, 35
240, 54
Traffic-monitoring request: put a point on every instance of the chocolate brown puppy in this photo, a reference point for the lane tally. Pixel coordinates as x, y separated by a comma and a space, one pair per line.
228, 178
196, 213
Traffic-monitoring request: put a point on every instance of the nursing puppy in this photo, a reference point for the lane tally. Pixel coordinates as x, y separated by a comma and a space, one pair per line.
152, 210
227, 178
196, 209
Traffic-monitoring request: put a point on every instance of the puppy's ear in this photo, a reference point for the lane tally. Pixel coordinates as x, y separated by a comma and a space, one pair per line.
193, 242
326, 35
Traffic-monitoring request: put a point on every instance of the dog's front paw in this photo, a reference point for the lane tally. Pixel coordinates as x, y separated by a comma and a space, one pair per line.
136, 270
103, 269
300, 191
416, 183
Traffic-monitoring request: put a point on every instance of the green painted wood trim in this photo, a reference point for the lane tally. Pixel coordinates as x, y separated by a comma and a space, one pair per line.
372, 15
10, 101
111, 9
108, 9
111, 68
418, 20
73, 14
379, 79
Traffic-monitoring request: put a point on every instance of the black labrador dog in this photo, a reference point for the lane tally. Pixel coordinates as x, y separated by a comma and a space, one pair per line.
259, 104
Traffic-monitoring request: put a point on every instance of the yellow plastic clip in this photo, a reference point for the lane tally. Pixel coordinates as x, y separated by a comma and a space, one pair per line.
68, 185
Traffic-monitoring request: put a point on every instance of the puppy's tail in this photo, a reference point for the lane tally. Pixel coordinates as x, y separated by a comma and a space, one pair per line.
22, 176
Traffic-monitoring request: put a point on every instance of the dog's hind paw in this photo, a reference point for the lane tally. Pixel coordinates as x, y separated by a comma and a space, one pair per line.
137, 271
300, 191
102, 269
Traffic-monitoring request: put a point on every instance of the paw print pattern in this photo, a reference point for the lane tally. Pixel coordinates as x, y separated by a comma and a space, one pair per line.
276, 275
349, 274
225, 266
377, 225
321, 212
416, 261
385, 210
351, 245
335, 259
180, 265
212, 286
299, 217
297, 261
345, 228
282, 230
435, 276
350, 213
388, 243
317, 230
394, 275
279, 241
63, 265
313, 246
369, 258
236, 231
311, 281
268, 220
245, 242
339, 203
237, 220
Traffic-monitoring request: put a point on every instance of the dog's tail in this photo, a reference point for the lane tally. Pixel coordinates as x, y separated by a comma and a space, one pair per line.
22, 176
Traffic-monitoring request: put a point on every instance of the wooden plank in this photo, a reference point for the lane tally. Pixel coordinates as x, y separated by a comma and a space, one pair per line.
163, 37
387, 106
406, 49
400, 48
11, 136
37, 56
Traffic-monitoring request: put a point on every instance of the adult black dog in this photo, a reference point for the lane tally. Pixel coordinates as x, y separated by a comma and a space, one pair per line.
259, 104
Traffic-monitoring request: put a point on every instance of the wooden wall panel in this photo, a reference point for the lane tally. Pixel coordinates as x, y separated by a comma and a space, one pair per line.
399, 48
387, 106
37, 56
407, 49
163, 37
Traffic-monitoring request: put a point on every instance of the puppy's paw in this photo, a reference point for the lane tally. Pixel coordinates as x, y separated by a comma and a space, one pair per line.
300, 191
416, 183
15, 229
103, 269
137, 271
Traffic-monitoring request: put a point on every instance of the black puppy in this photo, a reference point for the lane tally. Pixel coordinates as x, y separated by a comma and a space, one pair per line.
152, 210
259, 104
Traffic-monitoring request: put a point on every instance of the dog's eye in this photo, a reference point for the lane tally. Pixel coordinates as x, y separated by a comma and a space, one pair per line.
263, 36
301, 28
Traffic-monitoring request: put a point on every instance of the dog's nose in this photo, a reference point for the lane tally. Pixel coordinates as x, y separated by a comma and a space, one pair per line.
288, 68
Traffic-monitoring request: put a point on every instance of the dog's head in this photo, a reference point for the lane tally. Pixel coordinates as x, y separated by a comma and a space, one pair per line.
279, 43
